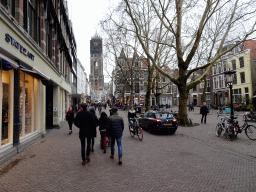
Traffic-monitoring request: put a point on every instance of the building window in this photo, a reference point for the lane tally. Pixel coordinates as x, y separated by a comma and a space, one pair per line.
224, 66
242, 77
48, 39
208, 97
235, 79
219, 67
9, 5
127, 89
233, 64
220, 80
237, 95
194, 88
31, 14
241, 61
145, 75
246, 92
217, 83
202, 85
145, 87
137, 88
208, 82
163, 80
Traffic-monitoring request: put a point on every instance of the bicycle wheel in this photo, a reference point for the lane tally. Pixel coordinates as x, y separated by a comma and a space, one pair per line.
218, 130
131, 130
250, 131
231, 133
140, 133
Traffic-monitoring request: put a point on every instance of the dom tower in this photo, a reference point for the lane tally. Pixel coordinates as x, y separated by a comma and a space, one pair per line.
96, 73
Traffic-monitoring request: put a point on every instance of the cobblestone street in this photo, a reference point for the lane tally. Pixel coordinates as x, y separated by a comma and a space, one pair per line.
193, 159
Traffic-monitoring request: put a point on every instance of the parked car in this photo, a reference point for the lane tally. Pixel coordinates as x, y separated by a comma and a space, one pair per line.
158, 121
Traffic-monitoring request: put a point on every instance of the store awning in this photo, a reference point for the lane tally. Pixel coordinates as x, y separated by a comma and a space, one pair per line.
5, 65
35, 73
7, 62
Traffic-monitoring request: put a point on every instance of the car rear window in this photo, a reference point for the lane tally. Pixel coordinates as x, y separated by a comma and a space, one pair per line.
164, 115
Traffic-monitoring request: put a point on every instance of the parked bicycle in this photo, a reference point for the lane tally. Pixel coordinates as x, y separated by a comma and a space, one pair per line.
250, 130
231, 128
226, 125
135, 129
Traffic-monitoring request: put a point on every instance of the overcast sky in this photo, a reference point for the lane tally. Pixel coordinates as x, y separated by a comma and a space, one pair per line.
85, 16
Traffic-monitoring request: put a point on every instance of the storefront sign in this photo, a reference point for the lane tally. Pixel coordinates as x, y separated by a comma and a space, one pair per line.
18, 46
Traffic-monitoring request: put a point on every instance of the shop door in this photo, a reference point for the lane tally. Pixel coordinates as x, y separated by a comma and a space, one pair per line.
49, 106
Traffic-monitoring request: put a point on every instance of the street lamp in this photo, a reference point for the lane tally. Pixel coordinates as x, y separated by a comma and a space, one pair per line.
230, 77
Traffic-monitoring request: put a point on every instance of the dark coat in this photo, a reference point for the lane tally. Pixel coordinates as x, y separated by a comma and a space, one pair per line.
131, 114
116, 126
94, 131
203, 110
103, 123
85, 122
70, 116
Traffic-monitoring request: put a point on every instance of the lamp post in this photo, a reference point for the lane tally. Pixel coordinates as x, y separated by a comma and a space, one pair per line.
230, 77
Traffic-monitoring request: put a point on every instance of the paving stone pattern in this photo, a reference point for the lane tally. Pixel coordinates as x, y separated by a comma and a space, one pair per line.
193, 159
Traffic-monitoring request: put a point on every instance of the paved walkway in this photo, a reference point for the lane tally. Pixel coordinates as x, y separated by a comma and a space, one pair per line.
193, 159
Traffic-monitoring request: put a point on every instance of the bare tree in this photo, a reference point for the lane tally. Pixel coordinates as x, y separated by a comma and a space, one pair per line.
119, 20
195, 28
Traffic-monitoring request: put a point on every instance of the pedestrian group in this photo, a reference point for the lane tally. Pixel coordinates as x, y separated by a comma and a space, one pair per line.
110, 128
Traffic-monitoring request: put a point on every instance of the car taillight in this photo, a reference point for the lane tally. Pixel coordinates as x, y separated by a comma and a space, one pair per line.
175, 120
157, 121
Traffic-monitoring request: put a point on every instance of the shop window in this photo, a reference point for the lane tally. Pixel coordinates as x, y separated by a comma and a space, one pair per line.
6, 99
29, 100
22, 103
27, 104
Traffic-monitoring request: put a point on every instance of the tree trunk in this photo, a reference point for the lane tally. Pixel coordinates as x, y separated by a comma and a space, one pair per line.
148, 94
203, 95
182, 116
158, 99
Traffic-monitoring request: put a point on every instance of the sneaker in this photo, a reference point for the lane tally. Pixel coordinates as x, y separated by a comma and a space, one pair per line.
88, 159
84, 162
104, 151
111, 156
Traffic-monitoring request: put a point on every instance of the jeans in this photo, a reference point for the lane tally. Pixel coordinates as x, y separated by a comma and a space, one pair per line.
119, 145
82, 139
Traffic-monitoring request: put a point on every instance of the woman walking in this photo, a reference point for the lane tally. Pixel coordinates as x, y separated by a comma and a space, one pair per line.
204, 111
94, 131
103, 127
70, 119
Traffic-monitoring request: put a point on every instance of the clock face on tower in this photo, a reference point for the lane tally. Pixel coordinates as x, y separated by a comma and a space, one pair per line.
96, 46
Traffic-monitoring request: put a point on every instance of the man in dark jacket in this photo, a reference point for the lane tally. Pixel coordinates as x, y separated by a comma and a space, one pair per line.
116, 128
85, 122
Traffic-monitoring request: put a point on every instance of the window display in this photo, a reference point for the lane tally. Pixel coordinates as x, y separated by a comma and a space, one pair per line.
6, 129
